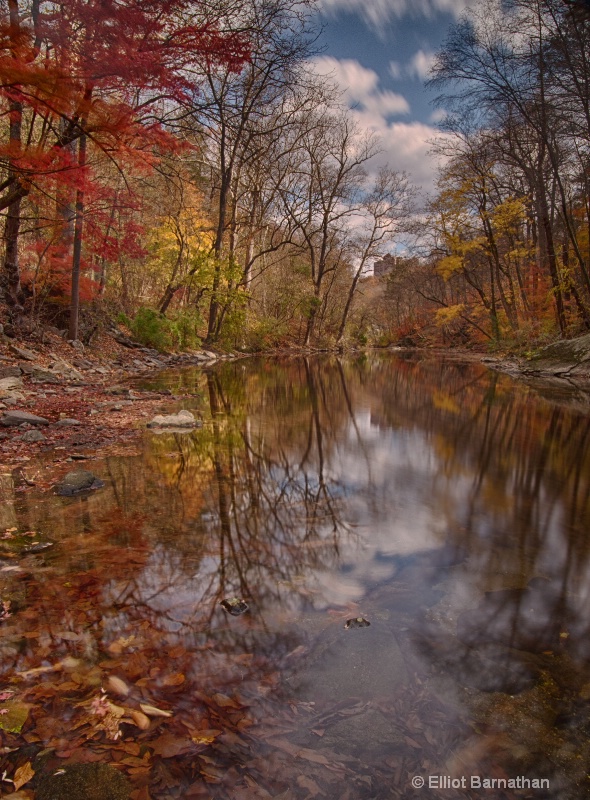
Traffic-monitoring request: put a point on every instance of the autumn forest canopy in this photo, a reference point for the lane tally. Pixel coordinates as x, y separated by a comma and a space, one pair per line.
178, 166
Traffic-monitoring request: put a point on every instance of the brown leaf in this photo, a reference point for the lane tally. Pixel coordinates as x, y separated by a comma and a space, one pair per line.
413, 743
310, 785
170, 746
175, 679
140, 719
117, 686
23, 775
224, 701
152, 711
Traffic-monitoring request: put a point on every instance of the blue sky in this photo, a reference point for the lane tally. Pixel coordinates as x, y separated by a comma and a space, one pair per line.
378, 52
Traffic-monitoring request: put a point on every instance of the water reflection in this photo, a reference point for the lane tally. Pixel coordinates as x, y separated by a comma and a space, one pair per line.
442, 501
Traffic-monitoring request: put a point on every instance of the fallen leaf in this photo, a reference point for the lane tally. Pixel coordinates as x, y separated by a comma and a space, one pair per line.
169, 746
23, 775
175, 679
117, 685
14, 715
224, 701
152, 711
310, 785
205, 737
140, 719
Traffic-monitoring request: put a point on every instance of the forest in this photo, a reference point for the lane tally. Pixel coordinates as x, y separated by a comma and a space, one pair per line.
179, 168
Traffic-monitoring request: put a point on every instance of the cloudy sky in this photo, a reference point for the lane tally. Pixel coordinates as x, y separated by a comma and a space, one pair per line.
379, 52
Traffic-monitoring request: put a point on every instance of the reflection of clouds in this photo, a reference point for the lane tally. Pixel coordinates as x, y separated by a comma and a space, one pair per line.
377, 13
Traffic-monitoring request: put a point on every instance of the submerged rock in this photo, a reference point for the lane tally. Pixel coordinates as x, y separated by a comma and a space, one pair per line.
234, 606
184, 419
84, 782
80, 480
357, 622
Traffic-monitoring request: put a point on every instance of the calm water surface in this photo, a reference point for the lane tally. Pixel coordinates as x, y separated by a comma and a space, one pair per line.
445, 504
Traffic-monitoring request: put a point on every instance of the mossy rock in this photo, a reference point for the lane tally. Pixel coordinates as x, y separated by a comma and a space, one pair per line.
84, 782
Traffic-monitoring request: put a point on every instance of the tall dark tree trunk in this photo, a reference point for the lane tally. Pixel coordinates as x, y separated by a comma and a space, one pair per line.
11, 273
77, 255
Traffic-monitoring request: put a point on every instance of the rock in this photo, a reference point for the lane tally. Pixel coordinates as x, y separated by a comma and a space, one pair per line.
28, 355
10, 418
10, 372
122, 390
78, 481
84, 782
62, 368
184, 419
563, 357
67, 422
234, 606
44, 375
82, 363
9, 383
76, 344
33, 436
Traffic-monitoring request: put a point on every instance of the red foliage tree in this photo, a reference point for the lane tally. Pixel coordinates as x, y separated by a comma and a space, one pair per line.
93, 73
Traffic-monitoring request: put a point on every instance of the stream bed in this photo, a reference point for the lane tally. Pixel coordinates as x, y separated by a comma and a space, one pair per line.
358, 579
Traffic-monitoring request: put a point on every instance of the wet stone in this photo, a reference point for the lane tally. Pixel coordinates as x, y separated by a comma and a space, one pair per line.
344, 666
84, 782
78, 481
184, 419
234, 606
371, 730
357, 622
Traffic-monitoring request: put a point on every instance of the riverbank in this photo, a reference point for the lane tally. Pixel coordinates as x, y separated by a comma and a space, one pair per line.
55, 396
85, 397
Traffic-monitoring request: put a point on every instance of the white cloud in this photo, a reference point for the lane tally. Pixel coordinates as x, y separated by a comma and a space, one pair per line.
378, 12
360, 86
438, 115
395, 70
405, 146
420, 64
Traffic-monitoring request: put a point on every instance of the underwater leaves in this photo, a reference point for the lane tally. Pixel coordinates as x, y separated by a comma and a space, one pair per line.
13, 716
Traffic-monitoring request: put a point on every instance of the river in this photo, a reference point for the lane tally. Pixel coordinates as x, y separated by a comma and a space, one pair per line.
440, 502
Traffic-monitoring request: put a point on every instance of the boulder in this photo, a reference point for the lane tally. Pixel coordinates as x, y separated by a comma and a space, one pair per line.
33, 436
67, 422
81, 480
9, 383
10, 418
184, 419
44, 375
21, 352
10, 372
62, 368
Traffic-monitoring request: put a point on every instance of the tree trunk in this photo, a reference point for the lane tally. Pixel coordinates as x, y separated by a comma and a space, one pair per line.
78, 231
11, 273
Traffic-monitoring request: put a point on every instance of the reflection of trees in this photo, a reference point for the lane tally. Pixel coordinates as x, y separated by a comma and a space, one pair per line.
259, 498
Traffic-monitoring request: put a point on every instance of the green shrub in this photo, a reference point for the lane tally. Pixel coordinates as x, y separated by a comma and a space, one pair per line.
184, 327
152, 329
